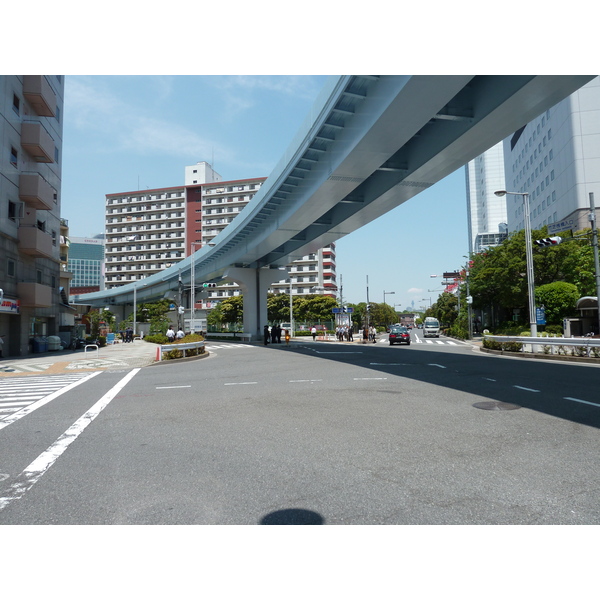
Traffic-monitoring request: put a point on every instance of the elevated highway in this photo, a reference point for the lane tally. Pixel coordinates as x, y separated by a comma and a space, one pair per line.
369, 144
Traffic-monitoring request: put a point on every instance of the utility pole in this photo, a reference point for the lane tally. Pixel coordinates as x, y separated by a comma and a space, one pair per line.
592, 218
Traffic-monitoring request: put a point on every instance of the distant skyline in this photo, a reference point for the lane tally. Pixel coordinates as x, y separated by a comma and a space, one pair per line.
123, 133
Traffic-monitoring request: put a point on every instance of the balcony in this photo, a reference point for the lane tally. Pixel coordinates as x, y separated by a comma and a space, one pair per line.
34, 295
37, 142
35, 242
39, 94
35, 191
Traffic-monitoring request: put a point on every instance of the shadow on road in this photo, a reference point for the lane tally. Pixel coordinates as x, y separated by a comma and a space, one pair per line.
531, 384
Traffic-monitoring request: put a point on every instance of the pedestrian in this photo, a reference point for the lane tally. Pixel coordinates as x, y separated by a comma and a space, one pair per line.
350, 338
365, 335
313, 332
274, 334
170, 334
180, 335
266, 334
279, 330
129, 334
1, 346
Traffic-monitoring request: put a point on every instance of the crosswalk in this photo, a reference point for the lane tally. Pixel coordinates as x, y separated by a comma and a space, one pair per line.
212, 346
436, 341
18, 393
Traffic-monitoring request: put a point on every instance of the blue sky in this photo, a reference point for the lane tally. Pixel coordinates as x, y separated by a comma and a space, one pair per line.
123, 133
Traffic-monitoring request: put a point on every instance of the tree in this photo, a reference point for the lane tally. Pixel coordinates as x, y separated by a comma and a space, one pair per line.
278, 308
559, 299
446, 308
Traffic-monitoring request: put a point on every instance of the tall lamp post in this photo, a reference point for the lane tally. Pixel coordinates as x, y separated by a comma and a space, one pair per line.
193, 287
528, 256
388, 293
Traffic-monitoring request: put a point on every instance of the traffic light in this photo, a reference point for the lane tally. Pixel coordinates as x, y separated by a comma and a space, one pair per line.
551, 241
180, 310
209, 285
368, 307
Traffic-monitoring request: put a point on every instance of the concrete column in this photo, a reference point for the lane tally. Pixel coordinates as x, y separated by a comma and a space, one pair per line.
255, 284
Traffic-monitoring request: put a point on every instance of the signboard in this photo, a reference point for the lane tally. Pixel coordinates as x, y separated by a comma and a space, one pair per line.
560, 226
540, 315
10, 306
452, 275
336, 310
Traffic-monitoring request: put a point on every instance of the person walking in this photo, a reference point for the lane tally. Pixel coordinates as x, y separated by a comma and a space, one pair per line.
170, 334
180, 335
266, 334
313, 332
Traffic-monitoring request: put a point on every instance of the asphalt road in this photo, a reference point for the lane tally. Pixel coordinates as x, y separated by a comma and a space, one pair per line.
314, 433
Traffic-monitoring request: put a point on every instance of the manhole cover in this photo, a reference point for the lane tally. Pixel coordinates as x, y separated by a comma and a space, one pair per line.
495, 405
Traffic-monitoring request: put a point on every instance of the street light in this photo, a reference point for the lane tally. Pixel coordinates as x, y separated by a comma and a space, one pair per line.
388, 293
193, 287
528, 256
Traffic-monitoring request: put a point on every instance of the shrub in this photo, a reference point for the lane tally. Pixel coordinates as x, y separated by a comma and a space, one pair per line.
157, 338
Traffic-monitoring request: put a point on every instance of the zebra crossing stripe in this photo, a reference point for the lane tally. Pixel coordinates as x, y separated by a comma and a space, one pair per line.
35, 405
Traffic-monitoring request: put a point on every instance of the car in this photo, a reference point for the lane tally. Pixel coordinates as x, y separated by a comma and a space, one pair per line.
399, 335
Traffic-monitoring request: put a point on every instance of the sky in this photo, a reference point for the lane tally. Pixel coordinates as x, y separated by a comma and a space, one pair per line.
124, 133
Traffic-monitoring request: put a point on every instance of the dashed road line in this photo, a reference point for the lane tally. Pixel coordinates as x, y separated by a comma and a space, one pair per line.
582, 401
520, 387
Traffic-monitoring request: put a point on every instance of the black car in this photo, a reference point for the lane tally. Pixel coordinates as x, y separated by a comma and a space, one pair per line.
399, 335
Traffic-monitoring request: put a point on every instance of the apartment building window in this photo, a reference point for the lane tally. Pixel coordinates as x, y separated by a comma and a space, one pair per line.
16, 105
14, 157
11, 268
38, 276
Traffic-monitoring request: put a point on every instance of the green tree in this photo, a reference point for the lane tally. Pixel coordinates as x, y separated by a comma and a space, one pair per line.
559, 299
278, 308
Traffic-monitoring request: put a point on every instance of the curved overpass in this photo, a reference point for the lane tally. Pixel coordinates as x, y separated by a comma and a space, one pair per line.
368, 144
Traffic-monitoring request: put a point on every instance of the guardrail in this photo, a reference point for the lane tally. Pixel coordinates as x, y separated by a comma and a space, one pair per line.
585, 343
184, 347
241, 336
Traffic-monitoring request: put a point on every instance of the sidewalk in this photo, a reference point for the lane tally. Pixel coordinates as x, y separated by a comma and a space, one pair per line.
113, 357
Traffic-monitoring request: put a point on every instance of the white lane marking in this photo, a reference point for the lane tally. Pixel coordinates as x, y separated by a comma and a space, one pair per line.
419, 340
29, 409
172, 387
319, 352
582, 401
436, 365
368, 378
488, 379
28, 478
451, 343
391, 364
304, 380
6, 404
526, 389
243, 383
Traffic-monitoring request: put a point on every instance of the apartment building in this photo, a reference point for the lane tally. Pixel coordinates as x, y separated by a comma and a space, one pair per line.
148, 231
32, 260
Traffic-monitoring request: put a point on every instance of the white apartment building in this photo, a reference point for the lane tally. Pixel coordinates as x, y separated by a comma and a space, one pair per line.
556, 159
486, 212
32, 272
148, 231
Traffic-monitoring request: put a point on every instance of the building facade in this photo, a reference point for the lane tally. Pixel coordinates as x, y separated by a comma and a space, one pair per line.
556, 160
148, 231
32, 269
486, 212
86, 263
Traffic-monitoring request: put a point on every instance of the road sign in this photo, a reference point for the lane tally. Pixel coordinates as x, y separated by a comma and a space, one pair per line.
540, 315
336, 310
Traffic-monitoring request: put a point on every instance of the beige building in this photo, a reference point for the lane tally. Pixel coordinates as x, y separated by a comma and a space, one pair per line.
33, 276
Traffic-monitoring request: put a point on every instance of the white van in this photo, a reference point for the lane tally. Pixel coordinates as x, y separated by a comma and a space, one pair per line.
431, 327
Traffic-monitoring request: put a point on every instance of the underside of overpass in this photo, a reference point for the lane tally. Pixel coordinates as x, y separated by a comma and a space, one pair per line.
369, 144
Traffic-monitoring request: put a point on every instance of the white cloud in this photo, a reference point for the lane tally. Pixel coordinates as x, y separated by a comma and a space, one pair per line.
416, 291
94, 108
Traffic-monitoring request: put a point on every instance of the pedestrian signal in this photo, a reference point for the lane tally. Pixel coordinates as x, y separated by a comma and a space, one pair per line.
551, 241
